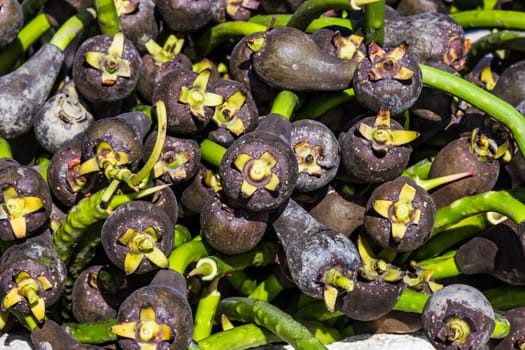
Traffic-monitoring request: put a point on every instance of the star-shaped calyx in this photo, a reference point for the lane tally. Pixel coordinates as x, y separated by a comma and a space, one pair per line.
173, 163
400, 213
147, 332
233, 6
110, 63
226, 114
388, 64
142, 244
381, 136
15, 209
307, 156
197, 97
348, 47
257, 172
29, 288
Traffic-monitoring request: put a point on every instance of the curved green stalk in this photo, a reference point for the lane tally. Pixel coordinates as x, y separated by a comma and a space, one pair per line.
271, 317
284, 104
479, 98
506, 39
246, 336
212, 152
316, 310
268, 289
241, 282
205, 313
187, 253
5, 149
463, 230
181, 235
311, 9
221, 32
91, 333
506, 297
41, 165
317, 106
502, 202
26, 37
325, 334
503, 19
374, 22
280, 20
72, 27
211, 267
443, 266
108, 19
420, 170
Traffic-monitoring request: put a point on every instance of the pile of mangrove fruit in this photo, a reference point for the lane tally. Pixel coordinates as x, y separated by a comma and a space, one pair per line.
228, 174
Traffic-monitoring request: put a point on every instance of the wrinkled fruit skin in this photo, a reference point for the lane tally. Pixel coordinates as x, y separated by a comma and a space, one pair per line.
464, 302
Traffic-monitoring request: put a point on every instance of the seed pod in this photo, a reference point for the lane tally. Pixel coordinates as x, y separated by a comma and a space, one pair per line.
137, 237
26, 202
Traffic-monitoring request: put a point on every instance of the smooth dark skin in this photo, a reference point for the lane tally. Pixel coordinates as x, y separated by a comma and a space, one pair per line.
11, 20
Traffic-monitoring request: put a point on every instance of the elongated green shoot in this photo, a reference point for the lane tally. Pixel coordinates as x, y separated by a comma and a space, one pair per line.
506, 297
108, 19
271, 317
241, 281
443, 266
185, 254
479, 98
285, 103
268, 289
5, 149
242, 337
505, 39
72, 27
502, 202
205, 313
374, 22
317, 106
503, 19
91, 333
212, 152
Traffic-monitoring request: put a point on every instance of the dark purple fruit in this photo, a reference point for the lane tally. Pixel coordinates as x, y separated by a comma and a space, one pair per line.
370, 300
317, 151
51, 335
259, 170
509, 86
106, 68
61, 119
516, 338
138, 20
464, 154
229, 229
202, 186
137, 237
25, 202
97, 294
287, 58
157, 315
11, 21
389, 78
458, 316
400, 215
185, 15
32, 276
375, 149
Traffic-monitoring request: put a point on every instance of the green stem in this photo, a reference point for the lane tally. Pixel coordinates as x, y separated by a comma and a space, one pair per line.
443, 266
5, 149
181, 235
27, 320
479, 98
187, 253
41, 165
268, 289
72, 27
503, 19
411, 301
222, 32
26, 37
311, 9
205, 313
211, 267
284, 104
318, 106
162, 125
271, 317
374, 22
325, 334
276, 21
212, 152
91, 333
420, 170
502, 202
241, 281
317, 311
506, 297
463, 230
242, 337
510, 40
502, 327
108, 19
